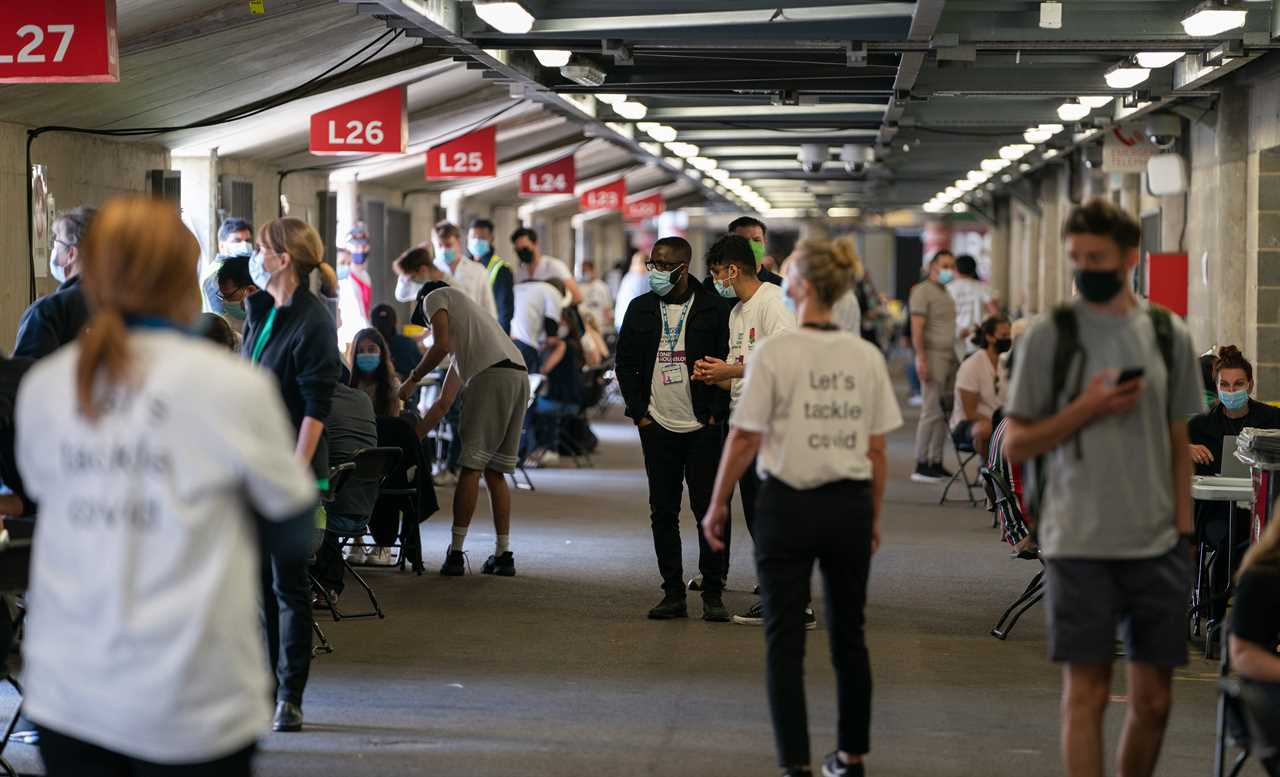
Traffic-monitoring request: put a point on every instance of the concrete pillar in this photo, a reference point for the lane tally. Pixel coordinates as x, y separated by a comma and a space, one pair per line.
560, 240
200, 201
1267, 275
453, 203
1050, 266
999, 279
1231, 217
422, 215
879, 257
505, 221
347, 187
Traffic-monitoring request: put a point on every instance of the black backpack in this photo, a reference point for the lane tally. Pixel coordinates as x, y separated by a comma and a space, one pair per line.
1067, 328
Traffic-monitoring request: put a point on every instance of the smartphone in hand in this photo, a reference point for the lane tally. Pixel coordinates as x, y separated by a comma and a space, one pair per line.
1131, 374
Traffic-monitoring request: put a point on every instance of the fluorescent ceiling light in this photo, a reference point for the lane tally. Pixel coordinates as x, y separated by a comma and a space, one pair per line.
1050, 153
631, 110
1036, 135
645, 126
1155, 60
652, 148
1016, 151
959, 207
702, 163
1096, 100
781, 136
965, 185
507, 17
720, 175
977, 176
843, 213
1212, 18
993, 166
952, 192
1024, 167
1052, 129
662, 133
755, 111
1126, 75
685, 150
552, 57
1073, 110
611, 99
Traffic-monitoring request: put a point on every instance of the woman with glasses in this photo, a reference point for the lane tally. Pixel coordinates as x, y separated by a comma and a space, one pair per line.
816, 406
290, 332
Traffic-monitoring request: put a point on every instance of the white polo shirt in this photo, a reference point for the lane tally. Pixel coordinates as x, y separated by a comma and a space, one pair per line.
534, 302
817, 397
473, 280
143, 634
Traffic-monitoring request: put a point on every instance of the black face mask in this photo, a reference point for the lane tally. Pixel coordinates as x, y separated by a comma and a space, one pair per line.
1003, 344
1099, 286
525, 255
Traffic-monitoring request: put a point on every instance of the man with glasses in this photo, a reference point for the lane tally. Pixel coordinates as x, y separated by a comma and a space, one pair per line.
56, 319
234, 286
665, 333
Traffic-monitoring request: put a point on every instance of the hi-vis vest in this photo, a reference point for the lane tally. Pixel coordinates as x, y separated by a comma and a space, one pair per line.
494, 267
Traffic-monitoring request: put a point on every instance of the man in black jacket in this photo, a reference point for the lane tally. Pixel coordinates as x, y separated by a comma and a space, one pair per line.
666, 331
56, 319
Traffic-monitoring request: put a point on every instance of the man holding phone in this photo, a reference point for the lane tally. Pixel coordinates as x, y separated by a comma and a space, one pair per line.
1111, 443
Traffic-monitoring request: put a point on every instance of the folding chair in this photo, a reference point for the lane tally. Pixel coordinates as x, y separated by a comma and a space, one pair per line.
1007, 504
408, 493
1248, 720
368, 466
964, 453
537, 384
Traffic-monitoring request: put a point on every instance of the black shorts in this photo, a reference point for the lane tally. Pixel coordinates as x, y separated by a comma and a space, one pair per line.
1088, 598
963, 434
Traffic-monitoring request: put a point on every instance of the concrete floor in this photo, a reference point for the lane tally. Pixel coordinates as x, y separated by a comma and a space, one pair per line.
557, 672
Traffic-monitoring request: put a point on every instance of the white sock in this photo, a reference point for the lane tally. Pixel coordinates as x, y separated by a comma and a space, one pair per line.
459, 537
504, 544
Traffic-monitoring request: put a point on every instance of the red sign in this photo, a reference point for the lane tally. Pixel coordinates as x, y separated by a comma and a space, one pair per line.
376, 124
643, 208
474, 155
556, 177
67, 41
607, 197
1167, 281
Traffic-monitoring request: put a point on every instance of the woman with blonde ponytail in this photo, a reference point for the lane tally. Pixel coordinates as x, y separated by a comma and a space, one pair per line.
816, 406
142, 646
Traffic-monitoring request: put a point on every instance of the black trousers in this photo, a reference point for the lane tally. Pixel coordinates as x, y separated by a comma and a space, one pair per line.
286, 613
327, 568
832, 525
66, 756
671, 460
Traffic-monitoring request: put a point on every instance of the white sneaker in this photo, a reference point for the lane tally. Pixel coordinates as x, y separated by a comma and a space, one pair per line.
445, 478
379, 556
356, 554
916, 400
550, 459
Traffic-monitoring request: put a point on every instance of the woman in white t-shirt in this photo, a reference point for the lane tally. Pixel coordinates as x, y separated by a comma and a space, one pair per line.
816, 406
980, 392
143, 649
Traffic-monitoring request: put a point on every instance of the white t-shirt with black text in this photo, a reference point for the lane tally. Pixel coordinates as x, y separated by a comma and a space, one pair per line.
750, 322
670, 401
143, 633
817, 397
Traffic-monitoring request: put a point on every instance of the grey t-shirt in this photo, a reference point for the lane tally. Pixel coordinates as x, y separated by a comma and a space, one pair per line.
477, 339
1114, 500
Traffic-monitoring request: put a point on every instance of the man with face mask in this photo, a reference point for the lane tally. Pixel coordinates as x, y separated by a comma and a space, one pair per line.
1117, 498
466, 275
757, 233
666, 332
536, 266
501, 280
235, 285
933, 336
56, 319
235, 239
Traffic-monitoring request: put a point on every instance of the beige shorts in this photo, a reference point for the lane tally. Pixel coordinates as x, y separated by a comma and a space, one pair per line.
493, 406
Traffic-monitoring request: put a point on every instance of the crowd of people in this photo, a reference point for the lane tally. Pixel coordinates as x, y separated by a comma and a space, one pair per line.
771, 383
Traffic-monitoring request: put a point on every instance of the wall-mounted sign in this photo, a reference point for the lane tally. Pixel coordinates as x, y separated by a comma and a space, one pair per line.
1126, 151
474, 155
556, 177
375, 124
607, 197
1167, 281
643, 208
68, 41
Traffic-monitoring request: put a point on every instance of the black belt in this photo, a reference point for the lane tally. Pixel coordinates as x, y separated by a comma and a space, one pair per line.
509, 365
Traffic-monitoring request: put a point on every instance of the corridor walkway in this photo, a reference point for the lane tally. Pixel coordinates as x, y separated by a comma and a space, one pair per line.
558, 672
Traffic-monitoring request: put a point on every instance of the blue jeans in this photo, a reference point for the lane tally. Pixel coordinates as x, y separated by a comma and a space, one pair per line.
913, 377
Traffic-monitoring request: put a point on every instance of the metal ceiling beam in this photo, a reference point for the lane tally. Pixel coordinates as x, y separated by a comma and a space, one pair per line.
1106, 22
739, 18
923, 23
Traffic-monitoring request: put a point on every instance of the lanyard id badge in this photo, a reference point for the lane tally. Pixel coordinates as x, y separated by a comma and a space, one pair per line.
672, 374
671, 360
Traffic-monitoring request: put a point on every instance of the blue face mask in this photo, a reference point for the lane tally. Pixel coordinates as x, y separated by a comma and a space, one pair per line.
663, 282
233, 310
946, 276
368, 362
258, 270
1234, 400
478, 247
786, 299
344, 272
726, 290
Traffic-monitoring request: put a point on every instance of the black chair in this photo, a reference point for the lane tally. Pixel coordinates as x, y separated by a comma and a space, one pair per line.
15, 568
369, 467
965, 454
1248, 719
407, 496
1007, 505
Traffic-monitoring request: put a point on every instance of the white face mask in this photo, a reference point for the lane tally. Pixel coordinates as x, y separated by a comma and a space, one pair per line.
258, 270
238, 248
58, 272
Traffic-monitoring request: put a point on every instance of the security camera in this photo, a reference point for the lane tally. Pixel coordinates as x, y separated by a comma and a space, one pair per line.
1163, 130
856, 158
812, 157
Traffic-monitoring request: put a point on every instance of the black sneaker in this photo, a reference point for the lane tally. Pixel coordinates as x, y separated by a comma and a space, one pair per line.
25, 732
502, 566
288, 717
754, 616
924, 474
713, 609
455, 564
832, 766
671, 607
940, 471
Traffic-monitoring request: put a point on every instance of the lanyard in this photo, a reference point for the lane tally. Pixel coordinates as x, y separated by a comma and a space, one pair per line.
673, 339
260, 344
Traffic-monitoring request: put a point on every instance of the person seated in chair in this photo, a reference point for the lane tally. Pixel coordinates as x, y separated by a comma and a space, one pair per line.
1233, 413
979, 390
351, 427
1255, 632
561, 362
